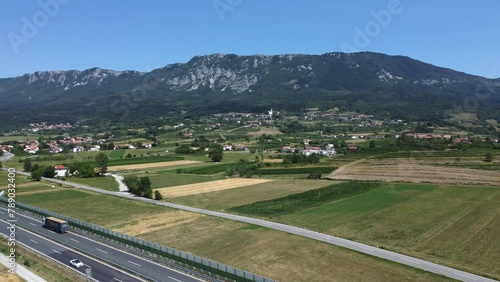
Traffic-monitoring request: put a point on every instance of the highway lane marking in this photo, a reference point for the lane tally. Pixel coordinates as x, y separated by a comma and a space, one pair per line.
114, 278
101, 250
74, 240
56, 251
73, 250
33, 241
135, 263
33, 224
174, 279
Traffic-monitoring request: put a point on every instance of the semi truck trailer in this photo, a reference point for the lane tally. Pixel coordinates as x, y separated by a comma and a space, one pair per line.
56, 224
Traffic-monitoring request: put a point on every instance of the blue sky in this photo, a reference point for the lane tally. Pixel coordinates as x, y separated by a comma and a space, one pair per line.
142, 35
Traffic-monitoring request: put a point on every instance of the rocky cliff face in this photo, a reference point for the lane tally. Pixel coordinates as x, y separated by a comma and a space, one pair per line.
358, 81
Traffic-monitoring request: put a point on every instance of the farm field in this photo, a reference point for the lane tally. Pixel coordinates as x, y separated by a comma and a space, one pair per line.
93, 207
454, 225
205, 187
106, 182
412, 170
276, 255
268, 252
18, 180
150, 165
33, 187
225, 199
162, 180
264, 130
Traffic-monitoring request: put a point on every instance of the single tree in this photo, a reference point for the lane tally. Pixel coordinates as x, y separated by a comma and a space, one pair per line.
35, 167
27, 165
102, 162
158, 195
36, 175
215, 152
1, 165
372, 144
49, 171
488, 157
145, 187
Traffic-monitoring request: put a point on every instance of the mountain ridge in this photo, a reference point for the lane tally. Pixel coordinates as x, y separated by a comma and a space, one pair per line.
376, 83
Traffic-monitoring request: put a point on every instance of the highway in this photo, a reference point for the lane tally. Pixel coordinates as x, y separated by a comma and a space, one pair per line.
100, 271
352, 245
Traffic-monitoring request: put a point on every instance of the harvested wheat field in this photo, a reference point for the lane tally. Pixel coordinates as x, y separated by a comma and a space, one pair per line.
411, 170
157, 222
211, 186
273, 160
150, 165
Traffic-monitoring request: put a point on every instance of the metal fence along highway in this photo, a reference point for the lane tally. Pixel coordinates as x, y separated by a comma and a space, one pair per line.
156, 249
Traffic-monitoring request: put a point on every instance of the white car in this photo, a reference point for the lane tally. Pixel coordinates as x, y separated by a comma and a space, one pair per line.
76, 263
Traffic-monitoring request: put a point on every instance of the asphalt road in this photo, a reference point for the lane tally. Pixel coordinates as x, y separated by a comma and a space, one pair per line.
355, 246
100, 271
6, 156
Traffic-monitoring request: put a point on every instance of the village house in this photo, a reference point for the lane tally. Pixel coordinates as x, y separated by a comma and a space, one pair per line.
60, 170
147, 145
352, 147
240, 147
288, 149
95, 148
227, 147
78, 149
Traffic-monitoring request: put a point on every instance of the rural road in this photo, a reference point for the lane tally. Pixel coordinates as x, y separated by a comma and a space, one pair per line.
121, 186
6, 156
355, 246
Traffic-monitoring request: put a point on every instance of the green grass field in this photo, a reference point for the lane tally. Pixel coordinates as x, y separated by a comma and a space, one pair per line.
457, 226
93, 207
208, 169
19, 179
280, 256
105, 182
301, 201
267, 252
116, 154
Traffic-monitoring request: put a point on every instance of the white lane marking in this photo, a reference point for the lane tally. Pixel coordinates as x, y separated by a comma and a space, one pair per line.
32, 224
101, 250
114, 278
134, 263
33, 241
174, 279
74, 240
56, 251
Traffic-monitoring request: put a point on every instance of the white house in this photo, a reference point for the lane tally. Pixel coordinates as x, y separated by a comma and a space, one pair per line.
226, 147
60, 170
78, 149
95, 148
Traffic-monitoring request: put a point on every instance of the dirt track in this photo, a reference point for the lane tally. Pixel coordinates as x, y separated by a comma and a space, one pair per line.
411, 170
